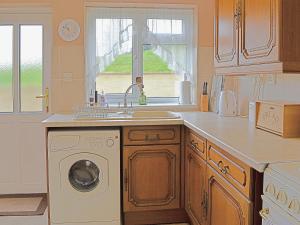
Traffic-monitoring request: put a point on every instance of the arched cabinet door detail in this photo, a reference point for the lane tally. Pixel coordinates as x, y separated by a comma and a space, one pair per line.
151, 179
195, 187
226, 34
226, 205
259, 37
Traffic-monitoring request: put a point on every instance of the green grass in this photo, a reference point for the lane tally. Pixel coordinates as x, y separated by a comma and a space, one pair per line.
30, 76
152, 64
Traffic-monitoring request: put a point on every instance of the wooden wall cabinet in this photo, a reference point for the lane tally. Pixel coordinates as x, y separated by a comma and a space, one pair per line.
226, 34
257, 36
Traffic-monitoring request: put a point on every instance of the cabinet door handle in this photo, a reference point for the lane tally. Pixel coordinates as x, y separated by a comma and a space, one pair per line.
190, 156
205, 205
125, 180
237, 15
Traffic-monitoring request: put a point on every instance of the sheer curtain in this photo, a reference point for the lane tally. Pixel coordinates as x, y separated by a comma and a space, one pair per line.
123, 43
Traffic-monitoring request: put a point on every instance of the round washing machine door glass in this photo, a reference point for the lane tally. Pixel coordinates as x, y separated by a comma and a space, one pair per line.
84, 175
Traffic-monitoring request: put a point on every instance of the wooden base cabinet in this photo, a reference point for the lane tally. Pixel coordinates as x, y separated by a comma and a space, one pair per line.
226, 205
218, 186
151, 177
195, 187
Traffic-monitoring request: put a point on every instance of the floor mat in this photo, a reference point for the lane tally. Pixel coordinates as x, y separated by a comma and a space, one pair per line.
22, 205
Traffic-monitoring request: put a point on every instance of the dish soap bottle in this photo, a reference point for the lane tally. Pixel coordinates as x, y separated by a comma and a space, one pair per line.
102, 99
142, 99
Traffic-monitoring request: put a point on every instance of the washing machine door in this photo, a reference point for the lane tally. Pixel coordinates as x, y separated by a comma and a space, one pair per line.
84, 175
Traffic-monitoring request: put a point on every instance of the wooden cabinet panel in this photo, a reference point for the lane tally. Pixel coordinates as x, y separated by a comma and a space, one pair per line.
195, 180
235, 171
197, 143
259, 39
151, 177
226, 205
291, 40
151, 135
266, 38
226, 34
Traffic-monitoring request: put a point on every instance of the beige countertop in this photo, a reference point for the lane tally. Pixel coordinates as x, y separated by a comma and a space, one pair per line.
255, 147
58, 120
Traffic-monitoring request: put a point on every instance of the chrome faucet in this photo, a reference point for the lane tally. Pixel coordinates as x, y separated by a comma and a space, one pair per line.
139, 84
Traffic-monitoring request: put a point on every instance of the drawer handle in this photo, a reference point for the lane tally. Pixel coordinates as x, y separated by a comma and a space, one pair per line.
223, 169
152, 137
264, 213
194, 144
220, 165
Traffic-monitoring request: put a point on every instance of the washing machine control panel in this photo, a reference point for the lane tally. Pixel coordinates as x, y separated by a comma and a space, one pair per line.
95, 142
100, 142
110, 142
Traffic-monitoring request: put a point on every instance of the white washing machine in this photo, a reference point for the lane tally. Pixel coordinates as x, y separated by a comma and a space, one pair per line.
84, 177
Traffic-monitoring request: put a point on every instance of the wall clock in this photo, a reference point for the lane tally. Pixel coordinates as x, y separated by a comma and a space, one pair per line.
69, 30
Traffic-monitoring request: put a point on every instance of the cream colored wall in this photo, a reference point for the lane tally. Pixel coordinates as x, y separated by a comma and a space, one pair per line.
282, 87
68, 57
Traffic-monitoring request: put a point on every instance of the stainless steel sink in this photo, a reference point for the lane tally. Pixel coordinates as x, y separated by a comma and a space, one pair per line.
135, 115
155, 115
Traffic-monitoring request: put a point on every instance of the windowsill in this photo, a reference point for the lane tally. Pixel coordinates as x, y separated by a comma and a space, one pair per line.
160, 107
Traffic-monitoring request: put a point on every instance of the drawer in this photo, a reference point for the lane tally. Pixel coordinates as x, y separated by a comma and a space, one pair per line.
235, 171
197, 143
270, 117
151, 135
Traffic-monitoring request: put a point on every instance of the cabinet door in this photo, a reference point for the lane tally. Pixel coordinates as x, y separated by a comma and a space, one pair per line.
226, 206
259, 36
195, 180
226, 34
151, 177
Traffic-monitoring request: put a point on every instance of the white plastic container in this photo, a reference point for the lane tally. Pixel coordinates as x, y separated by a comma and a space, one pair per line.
252, 112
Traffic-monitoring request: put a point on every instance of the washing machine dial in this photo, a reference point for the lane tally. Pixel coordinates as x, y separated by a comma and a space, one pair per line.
110, 142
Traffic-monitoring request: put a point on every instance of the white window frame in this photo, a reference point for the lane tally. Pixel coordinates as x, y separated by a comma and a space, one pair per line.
95, 11
17, 17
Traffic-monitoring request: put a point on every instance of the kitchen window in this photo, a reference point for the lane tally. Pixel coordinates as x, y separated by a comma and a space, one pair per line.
157, 44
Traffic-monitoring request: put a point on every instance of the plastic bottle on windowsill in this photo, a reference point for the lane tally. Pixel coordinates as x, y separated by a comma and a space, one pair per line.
102, 99
142, 99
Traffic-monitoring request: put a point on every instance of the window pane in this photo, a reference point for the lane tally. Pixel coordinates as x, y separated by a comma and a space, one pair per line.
6, 74
114, 55
159, 26
31, 67
162, 69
